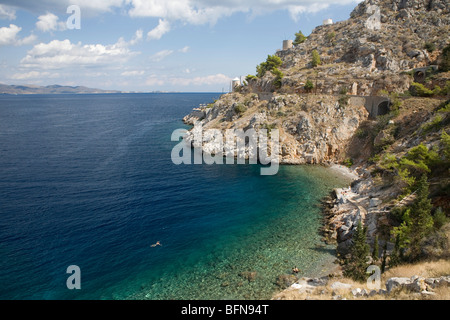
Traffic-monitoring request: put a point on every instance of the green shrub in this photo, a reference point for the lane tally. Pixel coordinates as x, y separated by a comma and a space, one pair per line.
434, 124
420, 158
343, 90
362, 133
445, 59
430, 46
439, 218
250, 77
278, 77
240, 109
389, 162
331, 36
446, 90
269, 127
271, 63
419, 90
315, 61
343, 100
348, 162
396, 103
374, 159
299, 38
445, 142
417, 162
309, 86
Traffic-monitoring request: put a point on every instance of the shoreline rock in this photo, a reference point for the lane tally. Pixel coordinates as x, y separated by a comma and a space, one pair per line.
415, 285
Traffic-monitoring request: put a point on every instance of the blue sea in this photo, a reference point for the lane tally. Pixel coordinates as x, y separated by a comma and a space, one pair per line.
88, 180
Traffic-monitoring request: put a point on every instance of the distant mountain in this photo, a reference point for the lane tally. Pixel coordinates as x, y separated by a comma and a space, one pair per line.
53, 89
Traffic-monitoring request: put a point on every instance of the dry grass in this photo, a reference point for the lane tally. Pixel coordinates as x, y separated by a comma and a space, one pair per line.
430, 269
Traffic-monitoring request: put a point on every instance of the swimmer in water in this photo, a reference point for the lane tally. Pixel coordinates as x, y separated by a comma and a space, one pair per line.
156, 244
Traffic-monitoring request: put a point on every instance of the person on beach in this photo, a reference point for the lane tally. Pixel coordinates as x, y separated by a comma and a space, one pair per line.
156, 244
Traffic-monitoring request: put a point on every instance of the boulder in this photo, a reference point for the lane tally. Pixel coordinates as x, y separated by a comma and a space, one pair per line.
438, 282
357, 292
396, 283
340, 286
318, 282
365, 293
286, 280
375, 202
417, 284
373, 293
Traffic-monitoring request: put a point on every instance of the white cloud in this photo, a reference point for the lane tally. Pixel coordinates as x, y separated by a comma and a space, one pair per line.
34, 75
89, 7
184, 50
162, 28
133, 73
97, 5
209, 11
161, 55
64, 54
202, 81
154, 81
7, 12
27, 40
190, 11
138, 36
8, 36
49, 22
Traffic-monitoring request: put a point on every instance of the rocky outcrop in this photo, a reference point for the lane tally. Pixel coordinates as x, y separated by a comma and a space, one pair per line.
347, 207
369, 52
424, 287
313, 129
417, 284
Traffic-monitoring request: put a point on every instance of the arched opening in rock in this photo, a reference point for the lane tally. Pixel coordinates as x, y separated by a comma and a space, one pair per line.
383, 108
419, 76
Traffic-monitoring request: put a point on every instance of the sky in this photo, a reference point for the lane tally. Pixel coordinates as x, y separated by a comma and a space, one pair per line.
150, 45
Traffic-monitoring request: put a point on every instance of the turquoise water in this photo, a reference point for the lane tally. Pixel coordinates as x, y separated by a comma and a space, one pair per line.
88, 181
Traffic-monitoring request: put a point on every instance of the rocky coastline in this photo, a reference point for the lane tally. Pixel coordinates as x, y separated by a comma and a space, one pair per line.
342, 209
361, 114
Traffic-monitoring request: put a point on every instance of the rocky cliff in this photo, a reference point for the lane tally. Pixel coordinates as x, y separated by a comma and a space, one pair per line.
384, 49
313, 129
373, 50
376, 49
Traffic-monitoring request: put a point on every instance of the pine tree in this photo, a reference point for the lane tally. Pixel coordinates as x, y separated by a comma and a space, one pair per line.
445, 59
309, 85
421, 219
315, 59
299, 38
357, 264
383, 261
375, 252
394, 258
439, 218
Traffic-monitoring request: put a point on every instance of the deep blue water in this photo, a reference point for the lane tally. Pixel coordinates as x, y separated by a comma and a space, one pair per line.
87, 180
